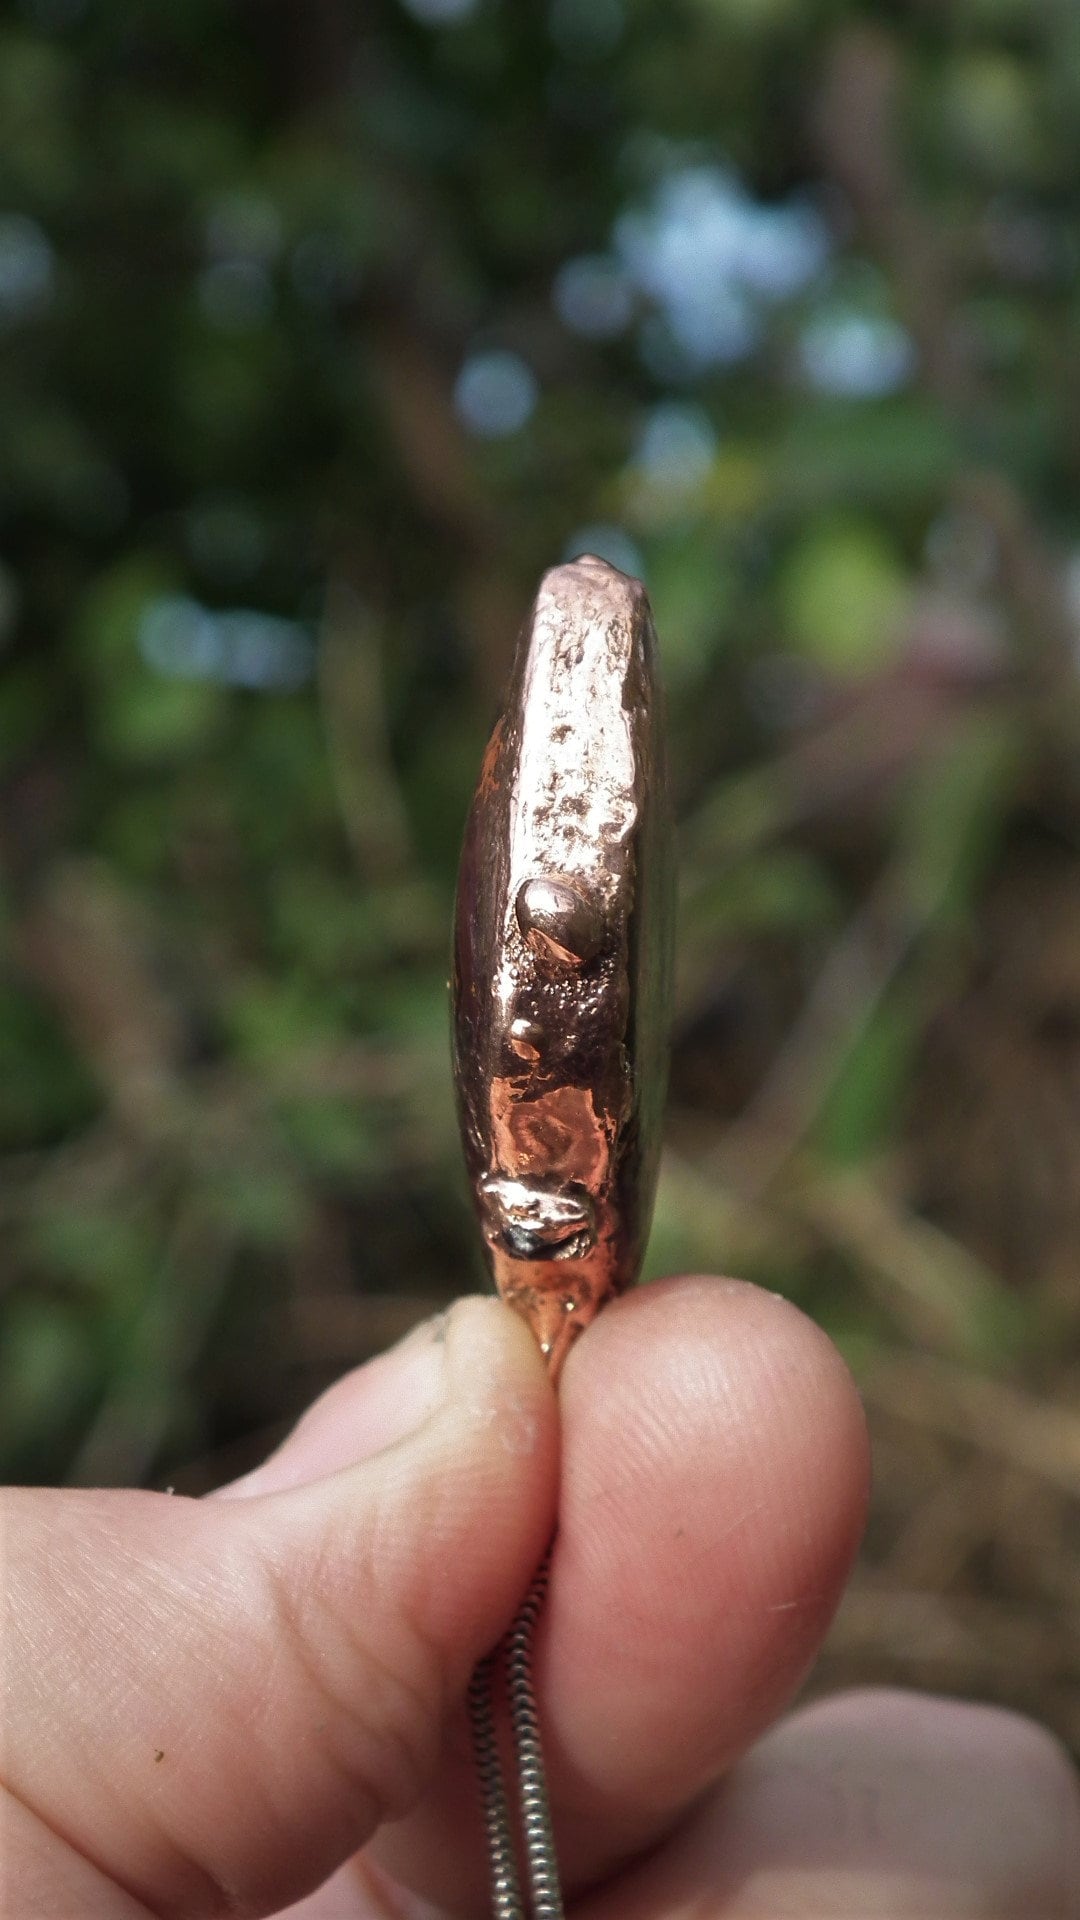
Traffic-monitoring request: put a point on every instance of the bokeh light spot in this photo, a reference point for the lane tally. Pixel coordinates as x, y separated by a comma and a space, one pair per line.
712, 258
676, 447
184, 640
495, 394
27, 266
586, 29
859, 356
440, 13
235, 295
593, 296
608, 542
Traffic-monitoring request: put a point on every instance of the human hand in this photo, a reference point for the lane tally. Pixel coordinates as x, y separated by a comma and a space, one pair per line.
210, 1705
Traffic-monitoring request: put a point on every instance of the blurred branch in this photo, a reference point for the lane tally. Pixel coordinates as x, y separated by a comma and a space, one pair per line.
847, 989
856, 120
701, 1214
86, 946
967, 1643
354, 724
853, 759
413, 390
1040, 1436
1031, 576
155, 1356
942, 1296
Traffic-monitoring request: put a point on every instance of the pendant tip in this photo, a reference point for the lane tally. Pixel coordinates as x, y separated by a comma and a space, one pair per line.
555, 1320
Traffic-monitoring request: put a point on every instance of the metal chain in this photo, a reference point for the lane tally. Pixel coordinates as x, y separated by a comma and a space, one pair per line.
506, 1902
539, 1840
540, 1858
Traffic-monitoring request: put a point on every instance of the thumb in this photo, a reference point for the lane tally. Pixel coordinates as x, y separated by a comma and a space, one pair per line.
210, 1704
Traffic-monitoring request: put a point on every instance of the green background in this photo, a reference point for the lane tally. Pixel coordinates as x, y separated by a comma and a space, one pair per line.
323, 329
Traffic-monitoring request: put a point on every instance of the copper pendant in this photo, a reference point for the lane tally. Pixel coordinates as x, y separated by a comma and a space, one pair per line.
562, 956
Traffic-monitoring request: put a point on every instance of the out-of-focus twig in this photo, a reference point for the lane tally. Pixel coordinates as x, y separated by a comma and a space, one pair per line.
354, 721
164, 1340
84, 943
963, 1642
1041, 1436
857, 124
853, 760
935, 1288
412, 386
849, 986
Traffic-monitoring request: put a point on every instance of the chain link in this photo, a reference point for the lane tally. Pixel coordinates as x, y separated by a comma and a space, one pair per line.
538, 1838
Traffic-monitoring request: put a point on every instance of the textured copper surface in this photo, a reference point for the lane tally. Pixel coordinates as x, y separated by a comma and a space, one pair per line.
561, 956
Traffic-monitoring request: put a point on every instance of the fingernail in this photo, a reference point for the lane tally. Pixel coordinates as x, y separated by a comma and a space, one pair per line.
374, 1408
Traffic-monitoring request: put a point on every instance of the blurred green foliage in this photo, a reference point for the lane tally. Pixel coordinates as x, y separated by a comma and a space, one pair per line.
322, 332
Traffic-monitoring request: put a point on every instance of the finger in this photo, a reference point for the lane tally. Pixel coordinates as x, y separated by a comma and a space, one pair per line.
366, 1410
214, 1702
876, 1806
713, 1491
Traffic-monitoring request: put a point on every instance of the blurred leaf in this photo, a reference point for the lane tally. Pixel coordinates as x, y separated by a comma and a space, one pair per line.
109, 1246
47, 1372
149, 718
992, 109
690, 587
45, 1088
330, 928
952, 810
24, 712
334, 1136
865, 1105
415, 1008
750, 16
843, 591
769, 892
257, 1202
885, 454
737, 484
227, 387
37, 138
950, 815
162, 144
139, 714
270, 1020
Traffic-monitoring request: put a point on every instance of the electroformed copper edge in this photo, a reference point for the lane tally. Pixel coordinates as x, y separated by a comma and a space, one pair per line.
562, 956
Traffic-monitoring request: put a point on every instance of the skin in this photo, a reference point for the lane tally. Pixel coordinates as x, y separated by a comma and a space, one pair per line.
211, 1705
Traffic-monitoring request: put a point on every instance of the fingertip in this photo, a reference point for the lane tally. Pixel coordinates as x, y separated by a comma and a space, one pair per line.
454, 1514
713, 1495
711, 1369
368, 1409
500, 1425
495, 1361
474, 1348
